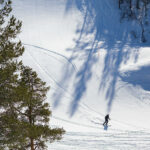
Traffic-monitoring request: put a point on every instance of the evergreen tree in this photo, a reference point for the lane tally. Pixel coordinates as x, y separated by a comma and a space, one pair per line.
32, 114
24, 114
10, 50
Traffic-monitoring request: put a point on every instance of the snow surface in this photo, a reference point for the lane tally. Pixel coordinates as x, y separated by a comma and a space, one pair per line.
94, 66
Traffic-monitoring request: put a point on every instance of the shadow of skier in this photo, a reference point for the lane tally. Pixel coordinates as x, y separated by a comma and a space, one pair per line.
105, 127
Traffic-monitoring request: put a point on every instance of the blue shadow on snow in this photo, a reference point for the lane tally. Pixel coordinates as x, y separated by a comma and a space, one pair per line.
100, 29
140, 77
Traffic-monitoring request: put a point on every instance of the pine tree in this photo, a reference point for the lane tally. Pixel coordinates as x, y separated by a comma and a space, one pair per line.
138, 4
32, 113
10, 50
24, 114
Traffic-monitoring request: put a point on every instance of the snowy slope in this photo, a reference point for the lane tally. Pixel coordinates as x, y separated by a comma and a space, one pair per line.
94, 67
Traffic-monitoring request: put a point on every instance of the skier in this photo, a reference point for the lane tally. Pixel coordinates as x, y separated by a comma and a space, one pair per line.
106, 120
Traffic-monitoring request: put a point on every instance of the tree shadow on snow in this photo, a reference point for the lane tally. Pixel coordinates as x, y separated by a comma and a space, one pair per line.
100, 29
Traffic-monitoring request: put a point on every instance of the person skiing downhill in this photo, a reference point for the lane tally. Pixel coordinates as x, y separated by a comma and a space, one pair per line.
106, 120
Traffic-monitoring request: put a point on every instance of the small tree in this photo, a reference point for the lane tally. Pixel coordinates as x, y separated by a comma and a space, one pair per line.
33, 113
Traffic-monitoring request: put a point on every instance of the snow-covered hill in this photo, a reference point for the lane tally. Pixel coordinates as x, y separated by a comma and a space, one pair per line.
94, 66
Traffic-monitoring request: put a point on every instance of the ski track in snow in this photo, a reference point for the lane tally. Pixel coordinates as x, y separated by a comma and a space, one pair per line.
44, 69
56, 53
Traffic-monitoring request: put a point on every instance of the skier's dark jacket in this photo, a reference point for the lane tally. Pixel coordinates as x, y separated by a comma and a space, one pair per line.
107, 117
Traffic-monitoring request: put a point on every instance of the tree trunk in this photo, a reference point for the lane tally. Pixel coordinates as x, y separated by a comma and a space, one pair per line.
130, 4
30, 121
137, 4
119, 4
32, 144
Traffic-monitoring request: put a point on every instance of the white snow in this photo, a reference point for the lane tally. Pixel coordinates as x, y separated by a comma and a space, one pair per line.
92, 68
